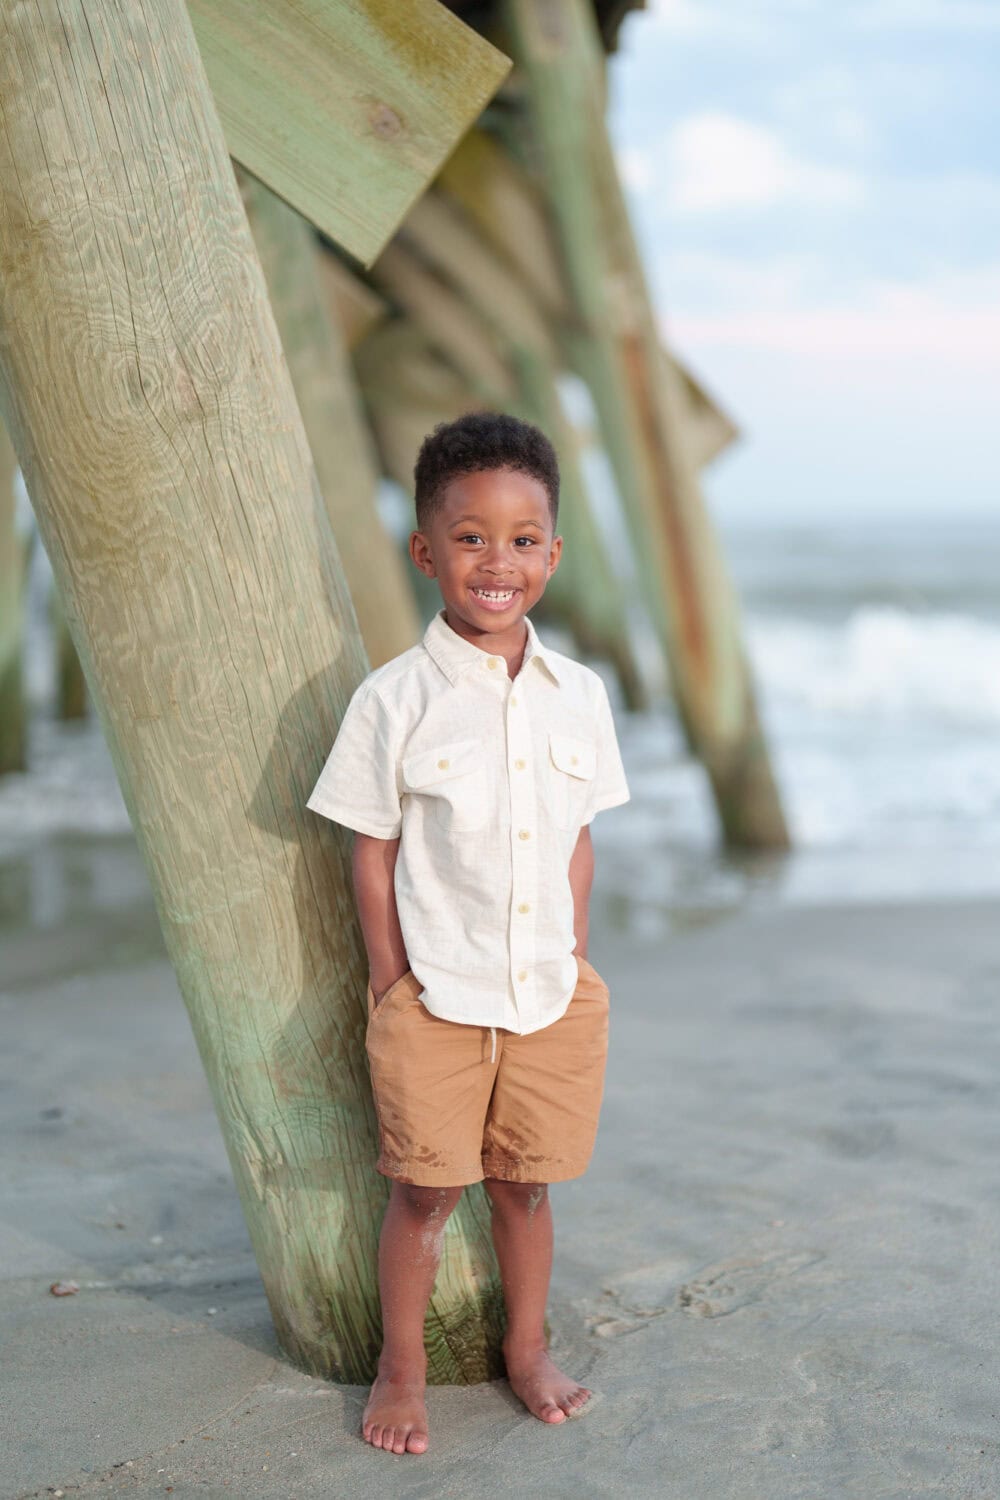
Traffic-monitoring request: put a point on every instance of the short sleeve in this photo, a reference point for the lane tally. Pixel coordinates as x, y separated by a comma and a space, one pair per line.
358, 785
609, 788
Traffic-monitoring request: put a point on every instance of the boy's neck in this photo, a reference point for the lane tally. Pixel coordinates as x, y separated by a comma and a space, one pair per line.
510, 644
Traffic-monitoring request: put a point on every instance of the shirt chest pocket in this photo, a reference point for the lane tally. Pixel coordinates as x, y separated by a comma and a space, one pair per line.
572, 768
453, 779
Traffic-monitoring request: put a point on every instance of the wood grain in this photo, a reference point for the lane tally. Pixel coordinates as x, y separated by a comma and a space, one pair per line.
144, 386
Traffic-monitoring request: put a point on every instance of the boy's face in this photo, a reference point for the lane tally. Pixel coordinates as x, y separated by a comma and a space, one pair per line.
492, 536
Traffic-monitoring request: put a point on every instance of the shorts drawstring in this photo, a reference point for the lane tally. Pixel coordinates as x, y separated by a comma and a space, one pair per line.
493, 1048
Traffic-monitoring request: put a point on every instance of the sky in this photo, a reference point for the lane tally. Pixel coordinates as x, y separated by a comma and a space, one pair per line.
816, 191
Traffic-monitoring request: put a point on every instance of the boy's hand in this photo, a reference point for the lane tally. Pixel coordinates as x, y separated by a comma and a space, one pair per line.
380, 991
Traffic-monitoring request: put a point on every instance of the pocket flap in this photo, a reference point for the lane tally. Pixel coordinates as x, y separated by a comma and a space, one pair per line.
428, 767
575, 756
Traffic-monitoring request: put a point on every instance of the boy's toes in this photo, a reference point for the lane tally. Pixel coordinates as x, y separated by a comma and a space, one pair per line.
388, 1438
417, 1441
550, 1412
576, 1399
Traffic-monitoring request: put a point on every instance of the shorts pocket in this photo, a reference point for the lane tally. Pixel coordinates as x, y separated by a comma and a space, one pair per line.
453, 779
376, 1007
572, 767
588, 973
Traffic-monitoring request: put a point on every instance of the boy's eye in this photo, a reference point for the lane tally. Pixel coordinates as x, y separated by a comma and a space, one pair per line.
473, 536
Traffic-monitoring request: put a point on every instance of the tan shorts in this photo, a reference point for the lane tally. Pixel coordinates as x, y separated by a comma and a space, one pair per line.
449, 1116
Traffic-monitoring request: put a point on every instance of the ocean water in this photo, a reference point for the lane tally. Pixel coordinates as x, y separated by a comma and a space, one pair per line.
876, 654
875, 649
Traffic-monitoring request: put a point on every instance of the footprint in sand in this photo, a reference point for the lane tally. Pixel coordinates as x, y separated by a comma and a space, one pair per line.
731, 1284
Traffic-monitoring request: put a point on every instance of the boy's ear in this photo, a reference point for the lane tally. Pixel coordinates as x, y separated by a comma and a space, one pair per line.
420, 553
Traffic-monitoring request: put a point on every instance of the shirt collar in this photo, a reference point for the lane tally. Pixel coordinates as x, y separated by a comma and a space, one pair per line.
455, 655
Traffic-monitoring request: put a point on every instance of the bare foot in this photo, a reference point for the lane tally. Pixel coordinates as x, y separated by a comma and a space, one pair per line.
545, 1390
395, 1417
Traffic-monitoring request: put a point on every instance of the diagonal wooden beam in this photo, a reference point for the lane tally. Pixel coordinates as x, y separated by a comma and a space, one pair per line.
636, 392
344, 108
498, 196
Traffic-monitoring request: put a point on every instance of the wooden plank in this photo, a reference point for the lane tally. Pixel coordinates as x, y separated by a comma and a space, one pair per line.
346, 109
510, 213
445, 238
448, 322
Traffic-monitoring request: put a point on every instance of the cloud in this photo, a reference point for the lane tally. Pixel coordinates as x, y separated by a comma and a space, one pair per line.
732, 20
636, 168
951, 318
827, 102
715, 162
680, 15
955, 16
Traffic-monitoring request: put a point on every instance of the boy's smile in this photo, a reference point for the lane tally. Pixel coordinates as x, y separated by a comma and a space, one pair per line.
491, 548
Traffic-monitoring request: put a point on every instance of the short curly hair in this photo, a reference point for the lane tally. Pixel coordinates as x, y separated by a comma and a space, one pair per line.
476, 441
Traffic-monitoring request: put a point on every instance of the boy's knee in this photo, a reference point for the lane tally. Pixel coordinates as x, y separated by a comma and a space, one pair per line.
426, 1201
524, 1195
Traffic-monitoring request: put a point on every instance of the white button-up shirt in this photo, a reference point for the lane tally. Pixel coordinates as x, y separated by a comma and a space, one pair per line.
486, 781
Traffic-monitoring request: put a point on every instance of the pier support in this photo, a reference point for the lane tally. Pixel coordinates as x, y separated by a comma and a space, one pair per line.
143, 384
616, 348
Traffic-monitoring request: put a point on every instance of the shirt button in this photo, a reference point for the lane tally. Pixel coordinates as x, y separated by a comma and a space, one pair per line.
513, 701
574, 760
524, 906
519, 765
522, 974
442, 765
523, 833
492, 661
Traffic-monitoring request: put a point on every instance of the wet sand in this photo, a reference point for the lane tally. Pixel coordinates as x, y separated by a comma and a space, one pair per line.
780, 1272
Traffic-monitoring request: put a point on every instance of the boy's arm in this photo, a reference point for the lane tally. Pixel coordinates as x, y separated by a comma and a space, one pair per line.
581, 876
373, 866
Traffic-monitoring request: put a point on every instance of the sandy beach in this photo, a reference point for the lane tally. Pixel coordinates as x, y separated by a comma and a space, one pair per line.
779, 1274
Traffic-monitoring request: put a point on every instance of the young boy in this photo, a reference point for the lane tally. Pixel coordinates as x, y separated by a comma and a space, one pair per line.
470, 768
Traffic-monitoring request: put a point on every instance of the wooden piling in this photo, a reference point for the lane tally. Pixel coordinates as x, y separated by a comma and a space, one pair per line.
143, 384
618, 352
339, 438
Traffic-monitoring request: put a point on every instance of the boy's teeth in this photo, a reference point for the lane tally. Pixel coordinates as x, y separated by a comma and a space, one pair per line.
495, 593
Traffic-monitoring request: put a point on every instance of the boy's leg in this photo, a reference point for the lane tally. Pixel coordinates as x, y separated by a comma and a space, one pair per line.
522, 1234
431, 1088
541, 1124
409, 1251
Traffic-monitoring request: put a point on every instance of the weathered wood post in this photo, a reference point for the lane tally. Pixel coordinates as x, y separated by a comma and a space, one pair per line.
618, 352
143, 384
13, 718
323, 377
